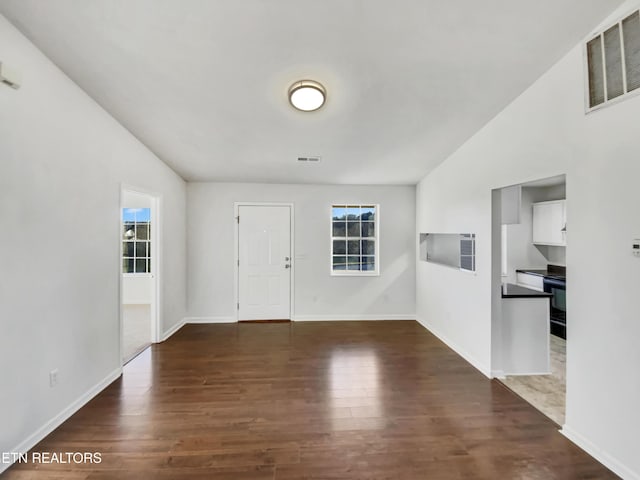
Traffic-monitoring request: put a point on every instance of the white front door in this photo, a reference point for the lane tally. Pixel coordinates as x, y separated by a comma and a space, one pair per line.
264, 267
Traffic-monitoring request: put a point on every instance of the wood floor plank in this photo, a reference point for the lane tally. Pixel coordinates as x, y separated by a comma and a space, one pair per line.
317, 400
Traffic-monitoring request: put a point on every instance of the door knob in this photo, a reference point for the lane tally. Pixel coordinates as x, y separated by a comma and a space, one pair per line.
287, 266
286, 259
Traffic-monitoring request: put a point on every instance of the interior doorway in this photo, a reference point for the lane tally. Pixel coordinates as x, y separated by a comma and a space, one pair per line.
264, 266
138, 271
529, 321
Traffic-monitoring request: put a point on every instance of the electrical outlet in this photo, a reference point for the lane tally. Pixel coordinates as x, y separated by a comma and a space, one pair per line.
53, 378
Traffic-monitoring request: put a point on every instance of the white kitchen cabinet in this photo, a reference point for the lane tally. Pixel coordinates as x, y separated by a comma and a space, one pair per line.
549, 223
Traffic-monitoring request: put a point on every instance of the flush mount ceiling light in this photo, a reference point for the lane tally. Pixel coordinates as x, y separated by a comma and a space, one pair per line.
307, 95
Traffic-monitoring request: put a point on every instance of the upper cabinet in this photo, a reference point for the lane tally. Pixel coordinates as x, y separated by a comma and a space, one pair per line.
550, 223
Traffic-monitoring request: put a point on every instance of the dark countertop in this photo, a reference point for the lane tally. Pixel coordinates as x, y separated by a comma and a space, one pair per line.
540, 273
549, 273
509, 290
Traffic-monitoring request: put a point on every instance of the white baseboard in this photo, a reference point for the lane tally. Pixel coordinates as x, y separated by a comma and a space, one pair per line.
209, 320
33, 439
296, 318
612, 463
497, 374
525, 374
337, 318
453, 346
172, 330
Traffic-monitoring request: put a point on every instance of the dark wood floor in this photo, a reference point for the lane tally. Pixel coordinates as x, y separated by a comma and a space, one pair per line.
341, 400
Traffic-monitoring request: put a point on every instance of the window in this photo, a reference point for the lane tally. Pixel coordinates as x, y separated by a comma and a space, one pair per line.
613, 61
468, 252
456, 250
354, 240
136, 240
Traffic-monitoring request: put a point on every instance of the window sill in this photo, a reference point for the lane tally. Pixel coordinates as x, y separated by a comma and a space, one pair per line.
355, 274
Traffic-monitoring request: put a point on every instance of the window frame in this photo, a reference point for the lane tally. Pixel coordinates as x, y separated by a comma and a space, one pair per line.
134, 242
599, 33
376, 255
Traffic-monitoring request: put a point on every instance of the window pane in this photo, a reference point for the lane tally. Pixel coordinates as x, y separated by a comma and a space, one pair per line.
596, 78
141, 249
127, 265
127, 249
339, 229
368, 229
613, 62
353, 263
339, 263
368, 263
353, 229
368, 247
631, 32
142, 231
353, 212
339, 212
129, 214
353, 247
339, 247
141, 265
128, 231
368, 213
143, 215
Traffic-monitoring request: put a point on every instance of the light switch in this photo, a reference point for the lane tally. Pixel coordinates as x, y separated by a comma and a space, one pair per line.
636, 247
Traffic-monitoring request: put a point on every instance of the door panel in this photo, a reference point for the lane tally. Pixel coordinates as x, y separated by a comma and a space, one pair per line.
264, 276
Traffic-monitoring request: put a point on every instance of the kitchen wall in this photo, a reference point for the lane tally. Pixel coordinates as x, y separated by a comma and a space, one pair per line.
62, 161
521, 252
318, 295
543, 133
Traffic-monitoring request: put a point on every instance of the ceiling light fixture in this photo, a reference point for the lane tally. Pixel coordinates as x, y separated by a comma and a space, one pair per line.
307, 95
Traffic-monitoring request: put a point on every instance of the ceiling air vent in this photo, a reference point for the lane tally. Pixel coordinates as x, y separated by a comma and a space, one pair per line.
308, 159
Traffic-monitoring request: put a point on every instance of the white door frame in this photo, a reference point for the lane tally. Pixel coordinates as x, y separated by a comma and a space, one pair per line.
156, 264
236, 252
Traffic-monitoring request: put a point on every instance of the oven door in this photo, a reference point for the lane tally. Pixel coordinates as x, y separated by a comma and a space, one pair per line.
558, 289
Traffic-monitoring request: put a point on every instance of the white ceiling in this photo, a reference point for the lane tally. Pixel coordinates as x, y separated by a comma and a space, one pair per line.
203, 83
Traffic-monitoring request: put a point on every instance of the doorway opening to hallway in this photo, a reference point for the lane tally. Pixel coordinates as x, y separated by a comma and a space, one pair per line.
139, 272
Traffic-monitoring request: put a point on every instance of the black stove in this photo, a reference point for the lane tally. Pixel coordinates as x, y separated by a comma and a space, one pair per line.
555, 283
562, 278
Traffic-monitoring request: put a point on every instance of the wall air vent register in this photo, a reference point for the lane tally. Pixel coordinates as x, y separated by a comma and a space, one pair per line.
613, 62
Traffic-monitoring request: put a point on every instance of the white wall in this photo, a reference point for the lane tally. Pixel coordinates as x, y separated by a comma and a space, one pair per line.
136, 289
135, 200
62, 161
317, 294
545, 132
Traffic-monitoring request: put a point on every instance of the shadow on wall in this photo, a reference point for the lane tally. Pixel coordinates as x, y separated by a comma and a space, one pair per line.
366, 295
